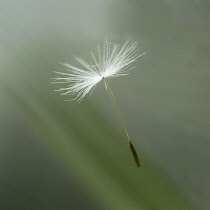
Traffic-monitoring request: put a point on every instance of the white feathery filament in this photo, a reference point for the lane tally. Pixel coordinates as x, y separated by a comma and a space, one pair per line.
111, 61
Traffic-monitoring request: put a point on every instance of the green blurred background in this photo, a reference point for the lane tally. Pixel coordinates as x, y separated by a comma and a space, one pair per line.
61, 155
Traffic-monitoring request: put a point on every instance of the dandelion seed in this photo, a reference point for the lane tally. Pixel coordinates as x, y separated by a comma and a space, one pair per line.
111, 61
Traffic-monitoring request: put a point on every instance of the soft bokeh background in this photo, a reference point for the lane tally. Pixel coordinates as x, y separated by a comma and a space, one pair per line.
61, 155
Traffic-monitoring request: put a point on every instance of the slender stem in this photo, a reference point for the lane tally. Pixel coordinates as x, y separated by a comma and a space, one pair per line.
123, 124
117, 107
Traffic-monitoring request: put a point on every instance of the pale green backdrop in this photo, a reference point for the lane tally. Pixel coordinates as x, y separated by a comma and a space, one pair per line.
68, 156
